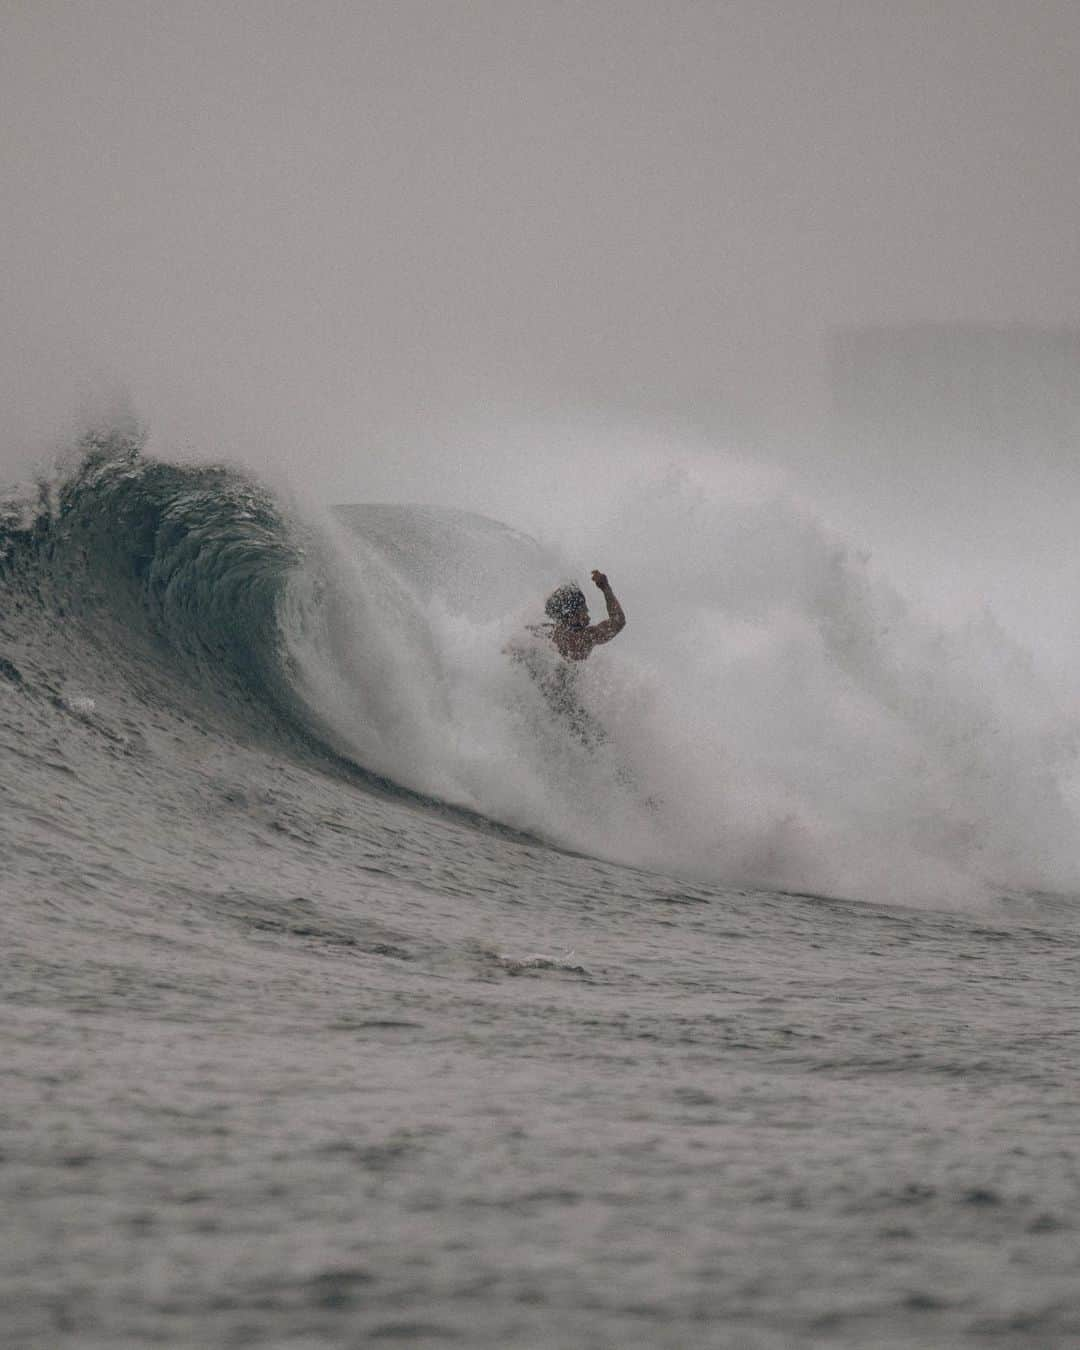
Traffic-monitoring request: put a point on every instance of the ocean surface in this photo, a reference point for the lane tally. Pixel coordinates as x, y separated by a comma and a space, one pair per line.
350, 999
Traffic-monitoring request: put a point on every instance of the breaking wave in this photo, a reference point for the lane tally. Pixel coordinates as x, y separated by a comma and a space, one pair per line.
774, 714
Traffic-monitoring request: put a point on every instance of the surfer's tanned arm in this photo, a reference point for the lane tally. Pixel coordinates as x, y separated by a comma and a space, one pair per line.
616, 619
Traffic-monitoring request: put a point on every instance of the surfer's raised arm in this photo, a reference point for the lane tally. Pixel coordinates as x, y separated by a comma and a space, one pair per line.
616, 619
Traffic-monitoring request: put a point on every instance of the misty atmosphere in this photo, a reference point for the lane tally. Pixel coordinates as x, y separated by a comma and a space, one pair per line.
397, 954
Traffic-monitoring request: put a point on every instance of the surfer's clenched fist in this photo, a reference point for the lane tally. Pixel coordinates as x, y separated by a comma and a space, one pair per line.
600, 579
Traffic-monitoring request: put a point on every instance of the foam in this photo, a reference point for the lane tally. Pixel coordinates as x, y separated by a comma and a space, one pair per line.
777, 714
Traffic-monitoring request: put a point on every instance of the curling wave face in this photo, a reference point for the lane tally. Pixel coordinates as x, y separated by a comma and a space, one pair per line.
181, 566
773, 714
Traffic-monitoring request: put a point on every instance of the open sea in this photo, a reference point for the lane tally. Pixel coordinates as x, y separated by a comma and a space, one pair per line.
349, 1000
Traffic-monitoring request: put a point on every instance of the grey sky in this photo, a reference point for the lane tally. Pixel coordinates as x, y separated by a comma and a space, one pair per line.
336, 234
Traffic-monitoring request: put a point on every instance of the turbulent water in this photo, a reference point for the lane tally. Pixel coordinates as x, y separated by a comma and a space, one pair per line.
350, 998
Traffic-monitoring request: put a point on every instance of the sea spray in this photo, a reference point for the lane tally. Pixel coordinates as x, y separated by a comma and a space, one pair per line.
785, 716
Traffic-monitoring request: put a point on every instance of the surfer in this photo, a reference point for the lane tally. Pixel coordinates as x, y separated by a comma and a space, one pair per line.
573, 638
568, 611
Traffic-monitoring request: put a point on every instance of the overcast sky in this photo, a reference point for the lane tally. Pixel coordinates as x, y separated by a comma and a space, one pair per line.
345, 238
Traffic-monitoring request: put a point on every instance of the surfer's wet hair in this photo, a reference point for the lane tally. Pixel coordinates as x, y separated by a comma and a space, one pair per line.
567, 600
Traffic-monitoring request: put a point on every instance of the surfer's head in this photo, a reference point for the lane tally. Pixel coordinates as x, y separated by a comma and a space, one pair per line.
567, 606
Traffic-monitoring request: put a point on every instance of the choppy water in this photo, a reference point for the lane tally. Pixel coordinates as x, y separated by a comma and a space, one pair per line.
296, 1057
